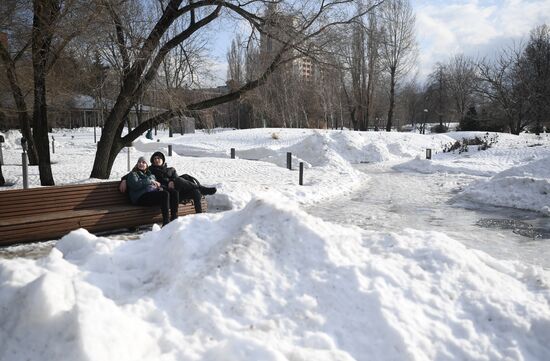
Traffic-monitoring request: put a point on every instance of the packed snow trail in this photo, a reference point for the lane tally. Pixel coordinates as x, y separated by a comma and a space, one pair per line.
393, 200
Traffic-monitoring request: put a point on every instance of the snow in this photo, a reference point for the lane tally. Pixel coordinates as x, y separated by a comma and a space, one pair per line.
264, 280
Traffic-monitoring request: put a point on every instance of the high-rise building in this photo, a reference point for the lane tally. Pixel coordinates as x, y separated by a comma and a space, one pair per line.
281, 27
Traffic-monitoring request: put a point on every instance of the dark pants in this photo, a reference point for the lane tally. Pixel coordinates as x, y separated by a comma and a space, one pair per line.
167, 199
189, 190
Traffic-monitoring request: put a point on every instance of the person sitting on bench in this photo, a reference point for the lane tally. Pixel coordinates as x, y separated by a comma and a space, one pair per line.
145, 190
187, 186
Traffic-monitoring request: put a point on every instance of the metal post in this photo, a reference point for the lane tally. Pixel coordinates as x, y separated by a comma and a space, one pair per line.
95, 125
232, 153
155, 130
128, 159
301, 178
289, 160
25, 162
170, 150
170, 132
1, 155
428, 153
53, 145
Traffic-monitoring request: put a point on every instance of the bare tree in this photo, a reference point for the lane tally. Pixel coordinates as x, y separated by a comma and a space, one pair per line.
358, 73
503, 81
461, 78
54, 24
236, 59
439, 83
373, 63
398, 45
536, 62
311, 20
12, 16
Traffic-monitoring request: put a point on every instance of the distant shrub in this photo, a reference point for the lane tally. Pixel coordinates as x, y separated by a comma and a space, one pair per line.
440, 129
461, 146
483, 143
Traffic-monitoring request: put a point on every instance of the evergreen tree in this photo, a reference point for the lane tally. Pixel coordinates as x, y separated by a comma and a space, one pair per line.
470, 120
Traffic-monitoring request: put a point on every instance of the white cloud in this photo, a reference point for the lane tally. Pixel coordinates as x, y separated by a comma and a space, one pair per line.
474, 27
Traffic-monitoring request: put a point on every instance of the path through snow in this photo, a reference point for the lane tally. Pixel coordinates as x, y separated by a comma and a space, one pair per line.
394, 200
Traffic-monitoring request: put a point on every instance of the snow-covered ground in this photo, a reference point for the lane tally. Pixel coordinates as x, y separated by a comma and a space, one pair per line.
264, 280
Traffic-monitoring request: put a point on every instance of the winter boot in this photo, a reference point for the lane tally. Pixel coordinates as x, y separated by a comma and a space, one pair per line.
207, 190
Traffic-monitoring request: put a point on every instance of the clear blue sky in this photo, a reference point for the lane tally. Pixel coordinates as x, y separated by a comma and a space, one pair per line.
444, 28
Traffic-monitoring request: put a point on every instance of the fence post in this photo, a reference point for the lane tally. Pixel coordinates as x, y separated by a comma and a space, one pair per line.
25, 162
170, 150
1, 155
53, 145
129, 157
301, 179
232, 153
170, 131
428, 153
289, 160
95, 125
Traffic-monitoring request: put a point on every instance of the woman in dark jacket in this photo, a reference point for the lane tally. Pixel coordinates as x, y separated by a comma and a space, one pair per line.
145, 190
188, 188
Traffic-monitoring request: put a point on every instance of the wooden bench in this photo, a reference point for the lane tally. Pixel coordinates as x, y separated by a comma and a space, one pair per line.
51, 212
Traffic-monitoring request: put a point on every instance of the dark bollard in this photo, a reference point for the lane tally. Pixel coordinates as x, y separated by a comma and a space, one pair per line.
128, 159
25, 162
170, 132
232, 153
301, 179
53, 145
1, 155
170, 150
155, 130
428, 153
289, 160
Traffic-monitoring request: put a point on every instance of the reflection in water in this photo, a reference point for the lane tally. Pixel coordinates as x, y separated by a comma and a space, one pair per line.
391, 201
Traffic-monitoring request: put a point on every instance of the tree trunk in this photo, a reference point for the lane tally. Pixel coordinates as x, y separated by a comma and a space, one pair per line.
392, 100
19, 99
24, 124
109, 144
44, 13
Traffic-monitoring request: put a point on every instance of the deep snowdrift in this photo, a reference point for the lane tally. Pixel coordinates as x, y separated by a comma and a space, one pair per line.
270, 282
267, 281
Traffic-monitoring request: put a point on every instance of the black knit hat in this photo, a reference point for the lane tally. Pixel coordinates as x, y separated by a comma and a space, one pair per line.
160, 155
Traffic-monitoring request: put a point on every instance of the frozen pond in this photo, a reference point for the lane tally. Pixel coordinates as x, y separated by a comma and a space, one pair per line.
394, 200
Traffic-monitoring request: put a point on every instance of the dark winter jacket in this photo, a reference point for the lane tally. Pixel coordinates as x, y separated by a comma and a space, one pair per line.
139, 183
164, 174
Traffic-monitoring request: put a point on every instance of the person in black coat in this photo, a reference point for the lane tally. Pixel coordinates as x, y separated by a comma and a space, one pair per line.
187, 186
145, 190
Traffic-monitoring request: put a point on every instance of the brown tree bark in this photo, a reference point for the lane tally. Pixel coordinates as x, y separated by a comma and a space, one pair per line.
20, 105
45, 14
389, 124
